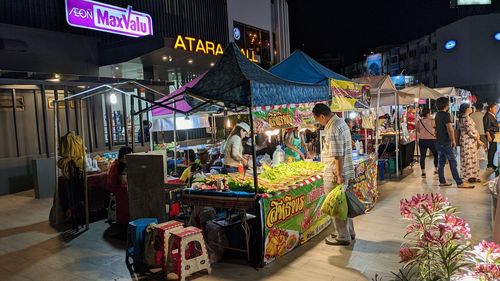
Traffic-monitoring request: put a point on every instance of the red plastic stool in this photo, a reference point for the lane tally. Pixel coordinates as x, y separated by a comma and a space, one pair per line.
162, 231
187, 252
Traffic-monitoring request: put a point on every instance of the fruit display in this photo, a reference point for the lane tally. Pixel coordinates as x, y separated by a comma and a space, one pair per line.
290, 172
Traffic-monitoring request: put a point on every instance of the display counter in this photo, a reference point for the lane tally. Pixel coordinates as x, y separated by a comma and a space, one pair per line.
289, 214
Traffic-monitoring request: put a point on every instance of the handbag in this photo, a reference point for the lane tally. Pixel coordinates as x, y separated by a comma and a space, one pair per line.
354, 206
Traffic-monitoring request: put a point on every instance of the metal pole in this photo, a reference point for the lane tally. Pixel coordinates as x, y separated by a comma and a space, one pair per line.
151, 143
85, 185
175, 139
56, 183
376, 120
92, 103
124, 119
14, 109
254, 154
45, 120
36, 122
108, 122
66, 109
56, 110
397, 135
141, 119
77, 115
132, 122
89, 127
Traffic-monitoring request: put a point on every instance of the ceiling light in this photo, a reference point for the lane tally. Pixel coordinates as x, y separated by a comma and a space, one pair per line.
117, 67
164, 58
450, 44
56, 76
353, 115
113, 99
169, 58
497, 36
190, 61
212, 63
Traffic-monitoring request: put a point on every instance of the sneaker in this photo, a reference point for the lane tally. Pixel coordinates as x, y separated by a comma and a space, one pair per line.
335, 242
423, 175
465, 185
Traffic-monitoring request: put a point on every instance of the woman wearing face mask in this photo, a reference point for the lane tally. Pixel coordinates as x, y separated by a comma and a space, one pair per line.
469, 142
233, 150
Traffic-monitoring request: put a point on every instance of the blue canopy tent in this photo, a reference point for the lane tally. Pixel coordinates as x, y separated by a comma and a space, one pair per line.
300, 67
236, 81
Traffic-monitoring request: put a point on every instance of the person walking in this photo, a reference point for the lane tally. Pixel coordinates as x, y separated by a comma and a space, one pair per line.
477, 117
469, 145
426, 132
445, 144
490, 128
337, 157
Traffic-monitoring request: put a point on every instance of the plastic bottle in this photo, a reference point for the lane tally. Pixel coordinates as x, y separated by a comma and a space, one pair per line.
278, 155
358, 146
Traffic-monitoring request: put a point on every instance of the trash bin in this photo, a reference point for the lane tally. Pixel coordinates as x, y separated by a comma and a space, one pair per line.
381, 168
392, 165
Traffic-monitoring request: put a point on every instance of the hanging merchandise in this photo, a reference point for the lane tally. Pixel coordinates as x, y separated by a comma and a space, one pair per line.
71, 149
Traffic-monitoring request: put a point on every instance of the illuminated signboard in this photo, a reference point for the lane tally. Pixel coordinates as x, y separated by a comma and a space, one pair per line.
192, 44
107, 18
473, 2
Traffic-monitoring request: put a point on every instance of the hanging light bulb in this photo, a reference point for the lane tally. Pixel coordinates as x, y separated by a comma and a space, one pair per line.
352, 115
113, 99
228, 123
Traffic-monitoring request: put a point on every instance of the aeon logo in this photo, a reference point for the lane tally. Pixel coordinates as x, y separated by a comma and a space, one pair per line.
81, 13
107, 18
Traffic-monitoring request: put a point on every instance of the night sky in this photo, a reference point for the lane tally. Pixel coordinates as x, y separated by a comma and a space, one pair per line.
351, 28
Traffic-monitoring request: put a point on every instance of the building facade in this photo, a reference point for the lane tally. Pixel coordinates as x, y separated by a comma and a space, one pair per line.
53, 49
461, 54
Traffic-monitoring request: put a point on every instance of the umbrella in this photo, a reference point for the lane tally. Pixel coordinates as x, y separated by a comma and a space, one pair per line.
422, 92
447, 91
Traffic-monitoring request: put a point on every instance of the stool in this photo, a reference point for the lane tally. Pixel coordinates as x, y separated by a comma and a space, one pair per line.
135, 239
112, 208
187, 252
162, 234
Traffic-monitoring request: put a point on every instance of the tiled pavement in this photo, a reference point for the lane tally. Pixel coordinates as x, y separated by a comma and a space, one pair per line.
30, 249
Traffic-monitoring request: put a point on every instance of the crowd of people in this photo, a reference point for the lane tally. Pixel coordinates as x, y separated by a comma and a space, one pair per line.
473, 133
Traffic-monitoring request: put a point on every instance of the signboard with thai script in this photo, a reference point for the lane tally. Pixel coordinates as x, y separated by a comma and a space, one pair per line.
107, 18
348, 95
292, 218
283, 116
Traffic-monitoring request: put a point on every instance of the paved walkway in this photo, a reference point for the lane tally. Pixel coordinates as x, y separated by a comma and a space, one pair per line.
32, 250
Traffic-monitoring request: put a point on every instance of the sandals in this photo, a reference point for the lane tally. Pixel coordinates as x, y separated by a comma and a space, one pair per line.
445, 184
474, 180
464, 185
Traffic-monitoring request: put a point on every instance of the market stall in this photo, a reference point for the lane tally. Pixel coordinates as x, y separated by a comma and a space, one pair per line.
344, 96
286, 197
391, 145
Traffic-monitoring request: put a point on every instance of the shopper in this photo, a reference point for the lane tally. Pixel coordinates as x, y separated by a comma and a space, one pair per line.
469, 145
445, 144
233, 149
337, 157
118, 183
477, 117
490, 128
295, 144
410, 117
426, 133
193, 166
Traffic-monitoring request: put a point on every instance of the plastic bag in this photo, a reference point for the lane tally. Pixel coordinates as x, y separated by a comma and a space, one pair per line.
354, 206
335, 203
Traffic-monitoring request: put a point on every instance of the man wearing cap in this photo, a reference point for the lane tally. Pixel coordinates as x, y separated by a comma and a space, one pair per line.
233, 150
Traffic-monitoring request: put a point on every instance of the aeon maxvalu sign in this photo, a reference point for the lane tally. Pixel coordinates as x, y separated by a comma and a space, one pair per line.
107, 18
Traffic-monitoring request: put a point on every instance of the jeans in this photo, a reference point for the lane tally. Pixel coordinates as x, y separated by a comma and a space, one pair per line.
446, 152
424, 145
491, 154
